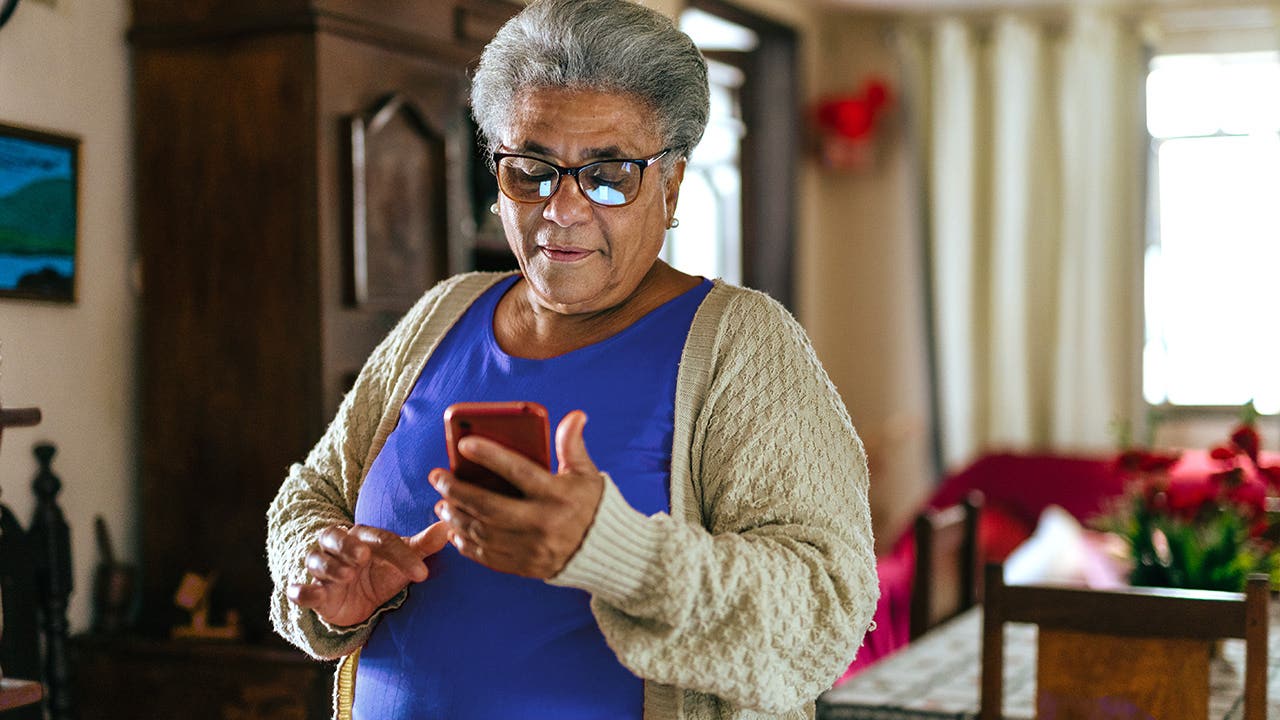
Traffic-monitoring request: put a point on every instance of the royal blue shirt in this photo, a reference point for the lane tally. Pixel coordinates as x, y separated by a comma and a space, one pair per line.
470, 643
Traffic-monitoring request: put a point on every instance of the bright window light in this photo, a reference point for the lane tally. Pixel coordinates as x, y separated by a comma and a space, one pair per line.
708, 241
1213, 261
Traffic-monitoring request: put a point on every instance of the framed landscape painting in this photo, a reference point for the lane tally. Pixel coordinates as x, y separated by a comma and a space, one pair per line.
39, 178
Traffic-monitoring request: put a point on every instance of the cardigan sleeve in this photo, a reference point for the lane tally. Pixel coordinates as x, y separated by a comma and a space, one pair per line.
765, 603
321, 491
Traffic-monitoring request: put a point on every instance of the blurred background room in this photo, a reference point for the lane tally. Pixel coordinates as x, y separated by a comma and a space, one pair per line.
1027, 230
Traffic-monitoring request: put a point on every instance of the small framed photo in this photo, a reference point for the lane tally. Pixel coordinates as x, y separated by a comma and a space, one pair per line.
39, 214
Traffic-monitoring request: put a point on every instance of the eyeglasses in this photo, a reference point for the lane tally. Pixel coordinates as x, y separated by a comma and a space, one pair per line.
611, 183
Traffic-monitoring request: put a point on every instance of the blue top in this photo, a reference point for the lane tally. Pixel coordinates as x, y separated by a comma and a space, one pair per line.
473, 644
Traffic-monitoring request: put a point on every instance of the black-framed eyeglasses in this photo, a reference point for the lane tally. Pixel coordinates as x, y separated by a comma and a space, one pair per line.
611, 183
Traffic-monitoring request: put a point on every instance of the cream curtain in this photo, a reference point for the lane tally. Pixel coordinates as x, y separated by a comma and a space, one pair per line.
1031, 145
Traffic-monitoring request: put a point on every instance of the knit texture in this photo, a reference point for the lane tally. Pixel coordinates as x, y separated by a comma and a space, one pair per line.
747, 601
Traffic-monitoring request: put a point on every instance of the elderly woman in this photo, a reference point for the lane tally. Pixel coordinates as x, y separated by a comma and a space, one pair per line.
709, 556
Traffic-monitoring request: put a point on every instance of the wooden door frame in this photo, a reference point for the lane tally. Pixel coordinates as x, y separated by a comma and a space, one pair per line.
771, 110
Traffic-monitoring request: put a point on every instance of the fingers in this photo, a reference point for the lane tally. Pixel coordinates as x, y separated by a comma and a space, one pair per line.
391, 548
477, 501
307, 595
570, 446
537, 548
528, 476
496, 558
431, 540
353, 570
343, 552
336, 556
327, 567
467, 527
339, 541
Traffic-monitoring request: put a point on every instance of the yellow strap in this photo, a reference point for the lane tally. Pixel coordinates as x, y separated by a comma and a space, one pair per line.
345, 687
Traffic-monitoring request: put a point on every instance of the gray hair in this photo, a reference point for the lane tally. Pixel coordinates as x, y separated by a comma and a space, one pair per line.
603, 45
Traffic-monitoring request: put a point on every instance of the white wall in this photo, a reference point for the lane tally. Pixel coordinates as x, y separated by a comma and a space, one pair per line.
65, 69
864, 301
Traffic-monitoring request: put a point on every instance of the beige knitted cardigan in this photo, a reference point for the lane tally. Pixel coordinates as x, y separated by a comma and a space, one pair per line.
747, 601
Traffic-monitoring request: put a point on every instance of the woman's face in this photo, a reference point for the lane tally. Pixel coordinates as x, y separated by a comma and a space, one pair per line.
579, 257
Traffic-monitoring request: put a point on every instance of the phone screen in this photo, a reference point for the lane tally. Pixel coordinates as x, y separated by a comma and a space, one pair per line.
520, 426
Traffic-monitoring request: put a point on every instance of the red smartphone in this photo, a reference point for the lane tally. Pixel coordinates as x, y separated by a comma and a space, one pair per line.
520, 426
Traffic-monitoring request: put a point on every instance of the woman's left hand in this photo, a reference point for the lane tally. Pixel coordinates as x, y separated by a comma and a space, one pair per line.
533, 536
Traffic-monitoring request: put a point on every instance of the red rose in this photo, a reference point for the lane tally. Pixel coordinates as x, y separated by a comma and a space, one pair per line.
1186, 497
1270, 474
1246, 438
1222, 452
1259, 527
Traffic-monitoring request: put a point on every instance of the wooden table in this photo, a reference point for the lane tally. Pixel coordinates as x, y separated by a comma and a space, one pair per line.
16, 693
938, 676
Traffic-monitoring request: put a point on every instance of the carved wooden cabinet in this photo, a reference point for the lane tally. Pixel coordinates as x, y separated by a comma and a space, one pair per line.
258, 302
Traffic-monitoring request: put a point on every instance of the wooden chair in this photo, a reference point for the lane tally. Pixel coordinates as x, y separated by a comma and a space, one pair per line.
945, 581
1136, 653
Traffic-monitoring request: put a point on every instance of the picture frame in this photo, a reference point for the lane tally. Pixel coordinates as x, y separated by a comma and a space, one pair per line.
397, 205
39, 214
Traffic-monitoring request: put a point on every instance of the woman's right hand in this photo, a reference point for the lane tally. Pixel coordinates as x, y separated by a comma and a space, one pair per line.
354, 570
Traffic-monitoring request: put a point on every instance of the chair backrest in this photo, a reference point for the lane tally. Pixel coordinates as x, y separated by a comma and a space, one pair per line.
945, 581
1139, 652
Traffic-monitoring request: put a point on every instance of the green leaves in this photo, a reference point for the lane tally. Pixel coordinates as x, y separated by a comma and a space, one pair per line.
1213, 551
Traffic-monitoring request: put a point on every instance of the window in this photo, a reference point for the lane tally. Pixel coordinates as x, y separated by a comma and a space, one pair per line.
1212, 271
709, 239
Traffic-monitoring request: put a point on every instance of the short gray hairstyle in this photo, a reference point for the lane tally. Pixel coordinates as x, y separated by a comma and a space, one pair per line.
603, 45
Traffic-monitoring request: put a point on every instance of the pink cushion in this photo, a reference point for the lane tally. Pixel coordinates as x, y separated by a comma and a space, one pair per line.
1000, 530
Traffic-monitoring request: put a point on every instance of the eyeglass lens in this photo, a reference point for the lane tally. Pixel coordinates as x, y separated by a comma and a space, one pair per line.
608, 182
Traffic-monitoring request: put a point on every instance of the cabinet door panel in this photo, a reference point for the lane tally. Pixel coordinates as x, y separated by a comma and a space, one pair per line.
355, 77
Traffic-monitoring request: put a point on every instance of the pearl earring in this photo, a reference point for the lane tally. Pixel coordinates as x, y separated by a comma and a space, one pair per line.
675, 223
494, 208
